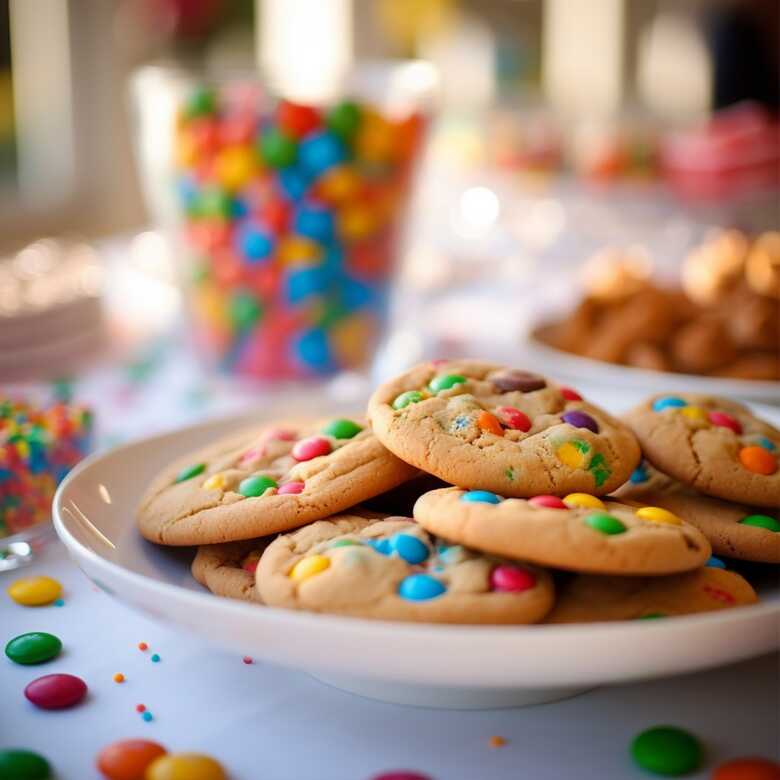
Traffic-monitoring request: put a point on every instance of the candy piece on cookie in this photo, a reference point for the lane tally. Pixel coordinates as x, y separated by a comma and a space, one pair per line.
267, 480
591, 598
229, 569
392, 569
714, 445
581, 533
509, 431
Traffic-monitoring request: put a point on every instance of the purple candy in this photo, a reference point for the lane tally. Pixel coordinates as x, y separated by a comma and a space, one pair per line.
581, 420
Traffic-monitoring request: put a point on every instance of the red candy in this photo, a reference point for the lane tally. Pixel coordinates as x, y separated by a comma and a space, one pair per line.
313, 447
510, 579
128, 758
570, 395
401, 774
514, 418
725, 421
290, 488
56, 691
549, 502
748, 769
297, 120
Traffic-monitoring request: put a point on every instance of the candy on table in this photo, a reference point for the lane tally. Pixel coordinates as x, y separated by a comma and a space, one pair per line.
35, 647
23, 765
292, 213
34, 591
56, 691
128, 759
38, 446
666, 750
752, 768
185, 766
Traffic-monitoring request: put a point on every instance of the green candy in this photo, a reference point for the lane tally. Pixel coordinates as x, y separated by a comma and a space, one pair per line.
190, 471
215, 203
666, 750
345, 543
23, 765
342, 429
445, 382
201, 102
33, 648
607, 524
343, 119
252, 487
761, 521
651, 616
277, 149
244, 310
409, 397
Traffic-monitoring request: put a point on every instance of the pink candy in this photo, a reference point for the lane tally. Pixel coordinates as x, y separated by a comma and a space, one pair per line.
514, 418
725, 421
290, 488
511, 579
549, 502
313, 447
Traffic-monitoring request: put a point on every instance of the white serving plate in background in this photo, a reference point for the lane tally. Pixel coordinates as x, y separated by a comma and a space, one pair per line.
431, 665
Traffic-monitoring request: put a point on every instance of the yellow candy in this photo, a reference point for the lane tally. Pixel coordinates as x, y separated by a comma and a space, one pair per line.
356, 222
657, 515
339, 184
308, 567
298, 250
351, 339
234, 167
35, 591
584, 500
569, 455
375, 140
215, 482
185, 766
694, 413
186, 150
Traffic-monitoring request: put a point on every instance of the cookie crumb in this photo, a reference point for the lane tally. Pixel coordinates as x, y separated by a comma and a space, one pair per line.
496, 742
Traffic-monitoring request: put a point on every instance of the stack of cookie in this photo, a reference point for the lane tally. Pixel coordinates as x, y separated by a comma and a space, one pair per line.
474, 493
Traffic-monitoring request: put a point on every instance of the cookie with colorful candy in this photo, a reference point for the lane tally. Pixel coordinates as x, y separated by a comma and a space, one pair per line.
229, 569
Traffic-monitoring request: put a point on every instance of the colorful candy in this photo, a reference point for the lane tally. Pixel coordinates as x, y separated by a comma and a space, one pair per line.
445, 382
481, 496
715, 563
655, 514
758, 460
762, 521
410, 548
409, 397
570, 395
188, 472
579, 419
256, 485
514, 418
35, 647
548, 502
666, 750
605, 523
747, 769
23, 765
342, 429
524, 381
583, 500
291, 488
38, 447
56, 691
312, 447
128, 759
511, 579
308, 567
489, 423
668, 402
185, 766
34, 591
420, 587
726, 421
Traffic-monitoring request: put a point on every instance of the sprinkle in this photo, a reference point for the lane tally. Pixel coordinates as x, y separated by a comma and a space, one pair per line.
140, 708
59, 602
147, 716
496, 742
143, 646
118, 677
247, 659
155, 659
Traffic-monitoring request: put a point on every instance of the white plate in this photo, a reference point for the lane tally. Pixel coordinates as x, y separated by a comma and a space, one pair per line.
575, 368
434, 665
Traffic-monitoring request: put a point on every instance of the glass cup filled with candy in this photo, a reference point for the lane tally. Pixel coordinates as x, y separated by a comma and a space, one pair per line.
290, 218
38, 447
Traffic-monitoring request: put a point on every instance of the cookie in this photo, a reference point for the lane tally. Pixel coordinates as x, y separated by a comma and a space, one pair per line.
580, 532
392, 569
268, 480
229, 569
712, 444
733, 530
589, 598
480, 425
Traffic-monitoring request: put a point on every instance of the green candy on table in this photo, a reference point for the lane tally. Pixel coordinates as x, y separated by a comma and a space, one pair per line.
666, 750
23, 765
35, 647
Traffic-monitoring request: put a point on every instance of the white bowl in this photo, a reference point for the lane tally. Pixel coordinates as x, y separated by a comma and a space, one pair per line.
433, 665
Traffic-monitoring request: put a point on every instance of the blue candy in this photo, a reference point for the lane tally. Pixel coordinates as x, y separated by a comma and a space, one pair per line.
305, 282
355, 294
254, 243
314, 222
715, 563
313, 350
320, 152
410, 548
382, 546
668, 401
638, 475
762, 441
238, 208
481, 496
293, 182
420, 587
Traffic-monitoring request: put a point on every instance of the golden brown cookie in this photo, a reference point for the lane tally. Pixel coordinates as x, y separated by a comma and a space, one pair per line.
229, 569
580, 532
589, 598
481, 425
712, 444
268, 480
733, 530
392, 569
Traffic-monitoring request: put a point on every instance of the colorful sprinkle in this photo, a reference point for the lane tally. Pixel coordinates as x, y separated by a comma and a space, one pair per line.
147, 716
482, 497
142, 646
606, 524
655, 514
762, 441
312, 447
118, 677
585, 500
758, 460
410, 548
59, 602
34, 591
140, 708
405, 399
342, 429
579, 419
255, 486
511, 579
668, 402
762, 521
548, 502
308, 567
190, 471
155, 659
445, 382
420, 587
35, 647
345, 543
724, 420
496, 742
666, 750
247, 659
489, 423
514, 418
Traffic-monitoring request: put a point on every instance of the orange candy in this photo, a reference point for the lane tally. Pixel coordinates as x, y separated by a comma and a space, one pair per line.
488, 422
128, 758
758, 460
748, 769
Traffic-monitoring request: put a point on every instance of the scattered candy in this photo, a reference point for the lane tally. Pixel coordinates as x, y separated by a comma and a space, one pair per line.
147, 716
585, 500
514, 418
420, 587
190, 471
255, 486
312, 447
23, 765
607, 524
140, 708
34, 591
524, 381
128, 759
747, 769
511, 579
579, 419
496, 741
489, 423
758, 460
56, 691
666, 750
668, 402
342, 429
118, 677
185, 766
445, 382
36, 647
410, 548
155, 659
762, 521
481, 496
308, 567
548, 502
247, 659
725, 421
655, 514
59, 602
142, 646
409, 397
